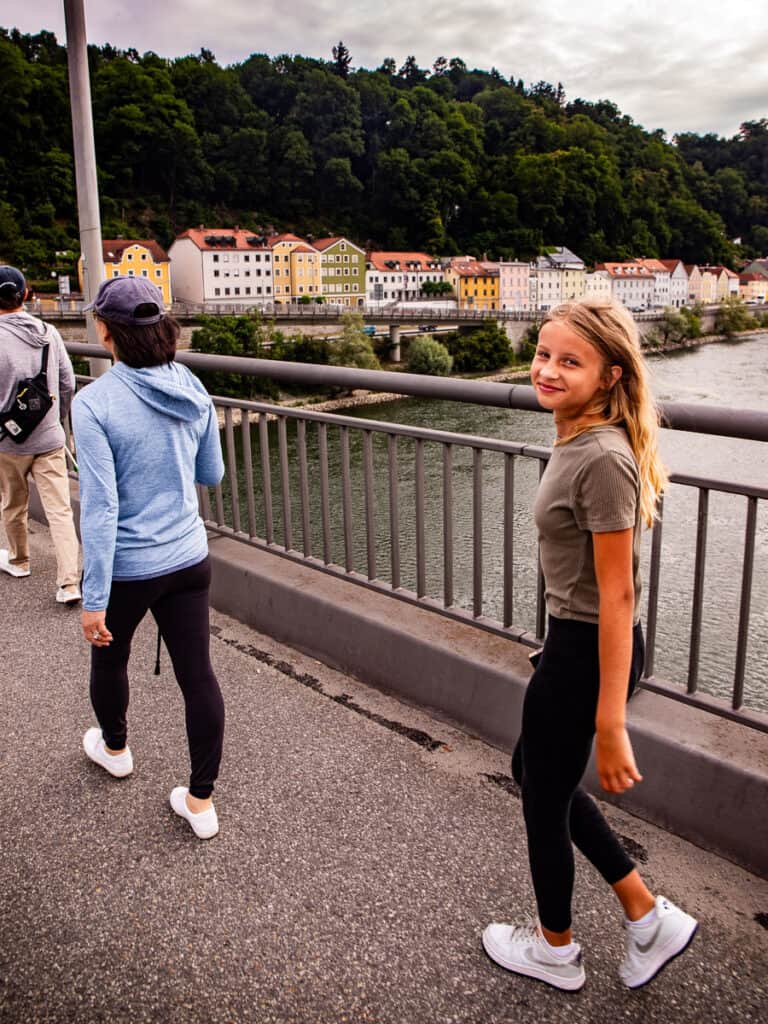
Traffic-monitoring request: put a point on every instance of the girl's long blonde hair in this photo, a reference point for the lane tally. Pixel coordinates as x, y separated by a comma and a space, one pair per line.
608, 326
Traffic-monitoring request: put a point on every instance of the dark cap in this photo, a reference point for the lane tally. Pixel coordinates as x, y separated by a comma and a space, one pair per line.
128, 300
13, 287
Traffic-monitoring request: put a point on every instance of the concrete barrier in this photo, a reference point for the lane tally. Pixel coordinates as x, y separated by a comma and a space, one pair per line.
705, 778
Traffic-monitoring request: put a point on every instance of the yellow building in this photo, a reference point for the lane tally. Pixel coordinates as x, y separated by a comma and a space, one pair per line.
135, 257
475, 284
296, 268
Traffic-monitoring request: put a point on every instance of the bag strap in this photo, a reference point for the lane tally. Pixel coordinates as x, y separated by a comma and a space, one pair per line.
44, 364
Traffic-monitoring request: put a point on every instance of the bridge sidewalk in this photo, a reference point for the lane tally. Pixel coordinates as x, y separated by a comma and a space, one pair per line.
363, 848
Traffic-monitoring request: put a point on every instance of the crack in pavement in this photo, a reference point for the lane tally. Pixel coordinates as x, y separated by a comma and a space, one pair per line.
418, 736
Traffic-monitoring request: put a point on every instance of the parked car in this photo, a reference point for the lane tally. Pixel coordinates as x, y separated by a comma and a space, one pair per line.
424, 328
370, 330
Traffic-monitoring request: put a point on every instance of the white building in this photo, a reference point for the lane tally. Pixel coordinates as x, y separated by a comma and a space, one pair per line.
399, 276
661, 282
557, 276
222, 266
631, 284
598, 283
678, 283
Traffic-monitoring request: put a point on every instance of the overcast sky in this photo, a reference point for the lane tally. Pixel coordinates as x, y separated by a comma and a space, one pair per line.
690, 65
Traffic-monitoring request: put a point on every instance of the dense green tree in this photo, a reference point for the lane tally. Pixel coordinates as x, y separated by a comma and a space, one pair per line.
451, 160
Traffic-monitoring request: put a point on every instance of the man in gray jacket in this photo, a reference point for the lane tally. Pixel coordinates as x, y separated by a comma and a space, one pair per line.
41, 456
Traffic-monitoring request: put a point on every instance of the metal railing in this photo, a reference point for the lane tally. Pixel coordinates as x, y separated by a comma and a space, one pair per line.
291, 474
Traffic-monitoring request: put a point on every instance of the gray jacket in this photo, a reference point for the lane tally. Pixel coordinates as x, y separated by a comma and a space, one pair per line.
21, 341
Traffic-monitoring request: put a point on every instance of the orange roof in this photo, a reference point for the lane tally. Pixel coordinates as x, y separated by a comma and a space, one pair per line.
113, 249
285, 237
657, 266
671, 265
325, 243
381, 260
473, 268
218, 239
634, 270
304, 248
719, 270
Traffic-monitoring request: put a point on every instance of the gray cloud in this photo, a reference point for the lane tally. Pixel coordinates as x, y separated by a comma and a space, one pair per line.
688, 66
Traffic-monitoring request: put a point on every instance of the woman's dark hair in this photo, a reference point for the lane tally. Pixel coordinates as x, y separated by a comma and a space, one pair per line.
10, 296
150, 345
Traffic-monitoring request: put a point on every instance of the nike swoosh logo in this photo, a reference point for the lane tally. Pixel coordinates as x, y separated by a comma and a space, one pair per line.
643, 947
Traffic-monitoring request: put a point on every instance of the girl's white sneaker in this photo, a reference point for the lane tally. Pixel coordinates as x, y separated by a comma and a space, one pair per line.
651, 947
521, 948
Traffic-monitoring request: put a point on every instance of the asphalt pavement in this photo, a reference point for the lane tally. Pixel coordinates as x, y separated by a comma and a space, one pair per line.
364, 846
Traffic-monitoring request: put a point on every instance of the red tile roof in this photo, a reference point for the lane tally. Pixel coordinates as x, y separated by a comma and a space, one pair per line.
625, 270
218, 239
379, 260
285, 237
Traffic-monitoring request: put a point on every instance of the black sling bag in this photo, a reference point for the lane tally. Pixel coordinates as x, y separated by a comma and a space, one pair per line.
29, 407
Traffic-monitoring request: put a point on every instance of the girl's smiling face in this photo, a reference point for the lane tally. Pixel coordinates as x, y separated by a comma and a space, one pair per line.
568, 374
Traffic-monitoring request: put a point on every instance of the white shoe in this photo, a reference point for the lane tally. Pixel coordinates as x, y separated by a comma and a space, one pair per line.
652, 947
118, 765
205, 825
522, 949
69, 594
5, 565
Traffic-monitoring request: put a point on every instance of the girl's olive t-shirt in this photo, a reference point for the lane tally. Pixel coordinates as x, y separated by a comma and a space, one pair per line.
591, 485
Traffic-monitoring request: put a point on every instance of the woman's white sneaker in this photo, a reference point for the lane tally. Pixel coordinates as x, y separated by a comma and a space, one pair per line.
118, 765
522, 949
652, 946
205, 825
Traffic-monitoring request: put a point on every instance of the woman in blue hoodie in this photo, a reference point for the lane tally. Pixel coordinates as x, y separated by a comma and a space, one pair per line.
146, 434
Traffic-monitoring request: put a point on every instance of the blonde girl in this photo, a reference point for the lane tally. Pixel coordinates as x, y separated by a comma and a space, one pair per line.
600, 486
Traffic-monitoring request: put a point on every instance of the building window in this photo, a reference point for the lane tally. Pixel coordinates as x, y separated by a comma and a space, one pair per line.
129, 255
226, 291
145, 273
216, 273
143, 255
217, 291
115, 273
247, 291
215, 257
247, 258
237, 291
158, 273
130, 273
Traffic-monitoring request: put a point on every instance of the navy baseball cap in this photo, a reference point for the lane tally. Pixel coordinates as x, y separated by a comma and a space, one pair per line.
13, 287
128, 300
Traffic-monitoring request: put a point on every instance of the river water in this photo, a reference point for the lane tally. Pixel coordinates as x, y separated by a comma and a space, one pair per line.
731, 374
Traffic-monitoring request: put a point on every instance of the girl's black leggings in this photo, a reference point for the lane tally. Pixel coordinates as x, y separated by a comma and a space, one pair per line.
550, 759
179, 603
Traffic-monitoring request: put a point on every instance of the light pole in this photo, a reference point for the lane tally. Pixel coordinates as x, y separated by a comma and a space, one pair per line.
85, 167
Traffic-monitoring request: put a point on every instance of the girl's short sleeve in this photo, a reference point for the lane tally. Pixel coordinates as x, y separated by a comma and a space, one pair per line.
607, 493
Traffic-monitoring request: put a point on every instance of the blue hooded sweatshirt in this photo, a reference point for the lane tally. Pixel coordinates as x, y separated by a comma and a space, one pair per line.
144, 438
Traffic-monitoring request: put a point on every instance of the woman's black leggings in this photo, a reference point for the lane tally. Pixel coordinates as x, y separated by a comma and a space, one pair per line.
550, 759
179, 603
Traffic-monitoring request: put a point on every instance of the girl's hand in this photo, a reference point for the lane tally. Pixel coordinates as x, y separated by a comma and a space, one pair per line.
95, 628
616, 766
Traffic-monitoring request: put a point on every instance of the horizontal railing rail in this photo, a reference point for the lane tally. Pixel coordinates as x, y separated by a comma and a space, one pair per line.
377, 503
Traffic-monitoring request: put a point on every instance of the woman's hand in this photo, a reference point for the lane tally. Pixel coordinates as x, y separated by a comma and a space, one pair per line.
616, 766
95, 628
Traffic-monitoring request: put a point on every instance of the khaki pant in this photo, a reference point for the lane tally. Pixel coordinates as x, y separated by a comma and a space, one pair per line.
49, 472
